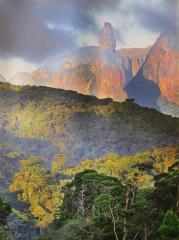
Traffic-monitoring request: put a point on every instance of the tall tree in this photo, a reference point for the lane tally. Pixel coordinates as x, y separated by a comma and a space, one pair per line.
34, 186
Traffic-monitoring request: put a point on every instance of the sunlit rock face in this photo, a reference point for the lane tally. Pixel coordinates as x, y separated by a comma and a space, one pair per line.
131, 60
159, 75
107, 44
100, 70
90, 70
79, 78
107, 40
93, 78
110, 83
162, 66
40, 77
110, 77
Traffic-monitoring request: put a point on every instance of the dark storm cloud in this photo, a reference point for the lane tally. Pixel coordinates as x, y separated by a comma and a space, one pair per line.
158, 15
23, 26
83, 4
24, 32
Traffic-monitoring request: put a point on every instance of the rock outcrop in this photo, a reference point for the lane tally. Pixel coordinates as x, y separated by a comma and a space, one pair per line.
159, 75
107, 40
162, 66
100, 70
94, 72
132, 60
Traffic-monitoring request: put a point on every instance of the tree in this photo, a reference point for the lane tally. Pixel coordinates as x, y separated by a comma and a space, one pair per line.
5, 210
35, 187
94, 198
108, 207
169, 229
166, 192
58, 163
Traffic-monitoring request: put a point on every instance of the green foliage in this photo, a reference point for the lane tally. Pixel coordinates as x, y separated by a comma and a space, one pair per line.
91, 197
9, 164
5, 210
70, 230
166, 191
170, 227
3, 233
139, 168
103, 205
34, 186
22, 216
84, 189
50, 123
80, 126
58, 163
125, 209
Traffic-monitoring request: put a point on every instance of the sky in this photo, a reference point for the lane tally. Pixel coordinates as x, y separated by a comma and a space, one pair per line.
33, 31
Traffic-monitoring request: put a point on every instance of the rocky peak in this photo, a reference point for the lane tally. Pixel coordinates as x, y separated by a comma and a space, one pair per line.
159, 75
107, 40
162, 66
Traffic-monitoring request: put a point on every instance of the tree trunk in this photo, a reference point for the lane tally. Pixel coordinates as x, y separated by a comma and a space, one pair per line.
125, 229
145, 231
81, 202
177, 201
114, 223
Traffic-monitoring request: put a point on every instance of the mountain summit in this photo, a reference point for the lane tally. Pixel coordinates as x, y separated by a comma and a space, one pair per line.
159, 75
107, 40
102, 70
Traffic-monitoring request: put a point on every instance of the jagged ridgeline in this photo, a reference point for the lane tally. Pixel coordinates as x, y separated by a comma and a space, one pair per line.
45, 121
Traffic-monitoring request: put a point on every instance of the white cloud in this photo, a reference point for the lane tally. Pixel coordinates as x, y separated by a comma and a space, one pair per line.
138, 38
9, 67
126, 23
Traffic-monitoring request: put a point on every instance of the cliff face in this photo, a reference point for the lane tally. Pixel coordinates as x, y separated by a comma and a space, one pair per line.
101, 71
91, 79
94, 72
162, 66
159, 75
131, 60
107, 40
109, 82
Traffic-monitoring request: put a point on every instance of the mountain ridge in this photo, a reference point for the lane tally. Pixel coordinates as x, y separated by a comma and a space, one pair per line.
80, 126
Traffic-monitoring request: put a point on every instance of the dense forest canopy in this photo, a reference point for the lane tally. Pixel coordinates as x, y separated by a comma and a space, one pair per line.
106, 201
78, 167
45, 121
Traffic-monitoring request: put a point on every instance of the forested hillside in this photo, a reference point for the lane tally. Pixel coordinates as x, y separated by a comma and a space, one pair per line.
104, 198
45, 121
48, 136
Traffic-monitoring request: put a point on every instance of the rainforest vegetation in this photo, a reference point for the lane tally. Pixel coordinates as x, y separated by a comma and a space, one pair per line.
75, 167
112, 197
43, 121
